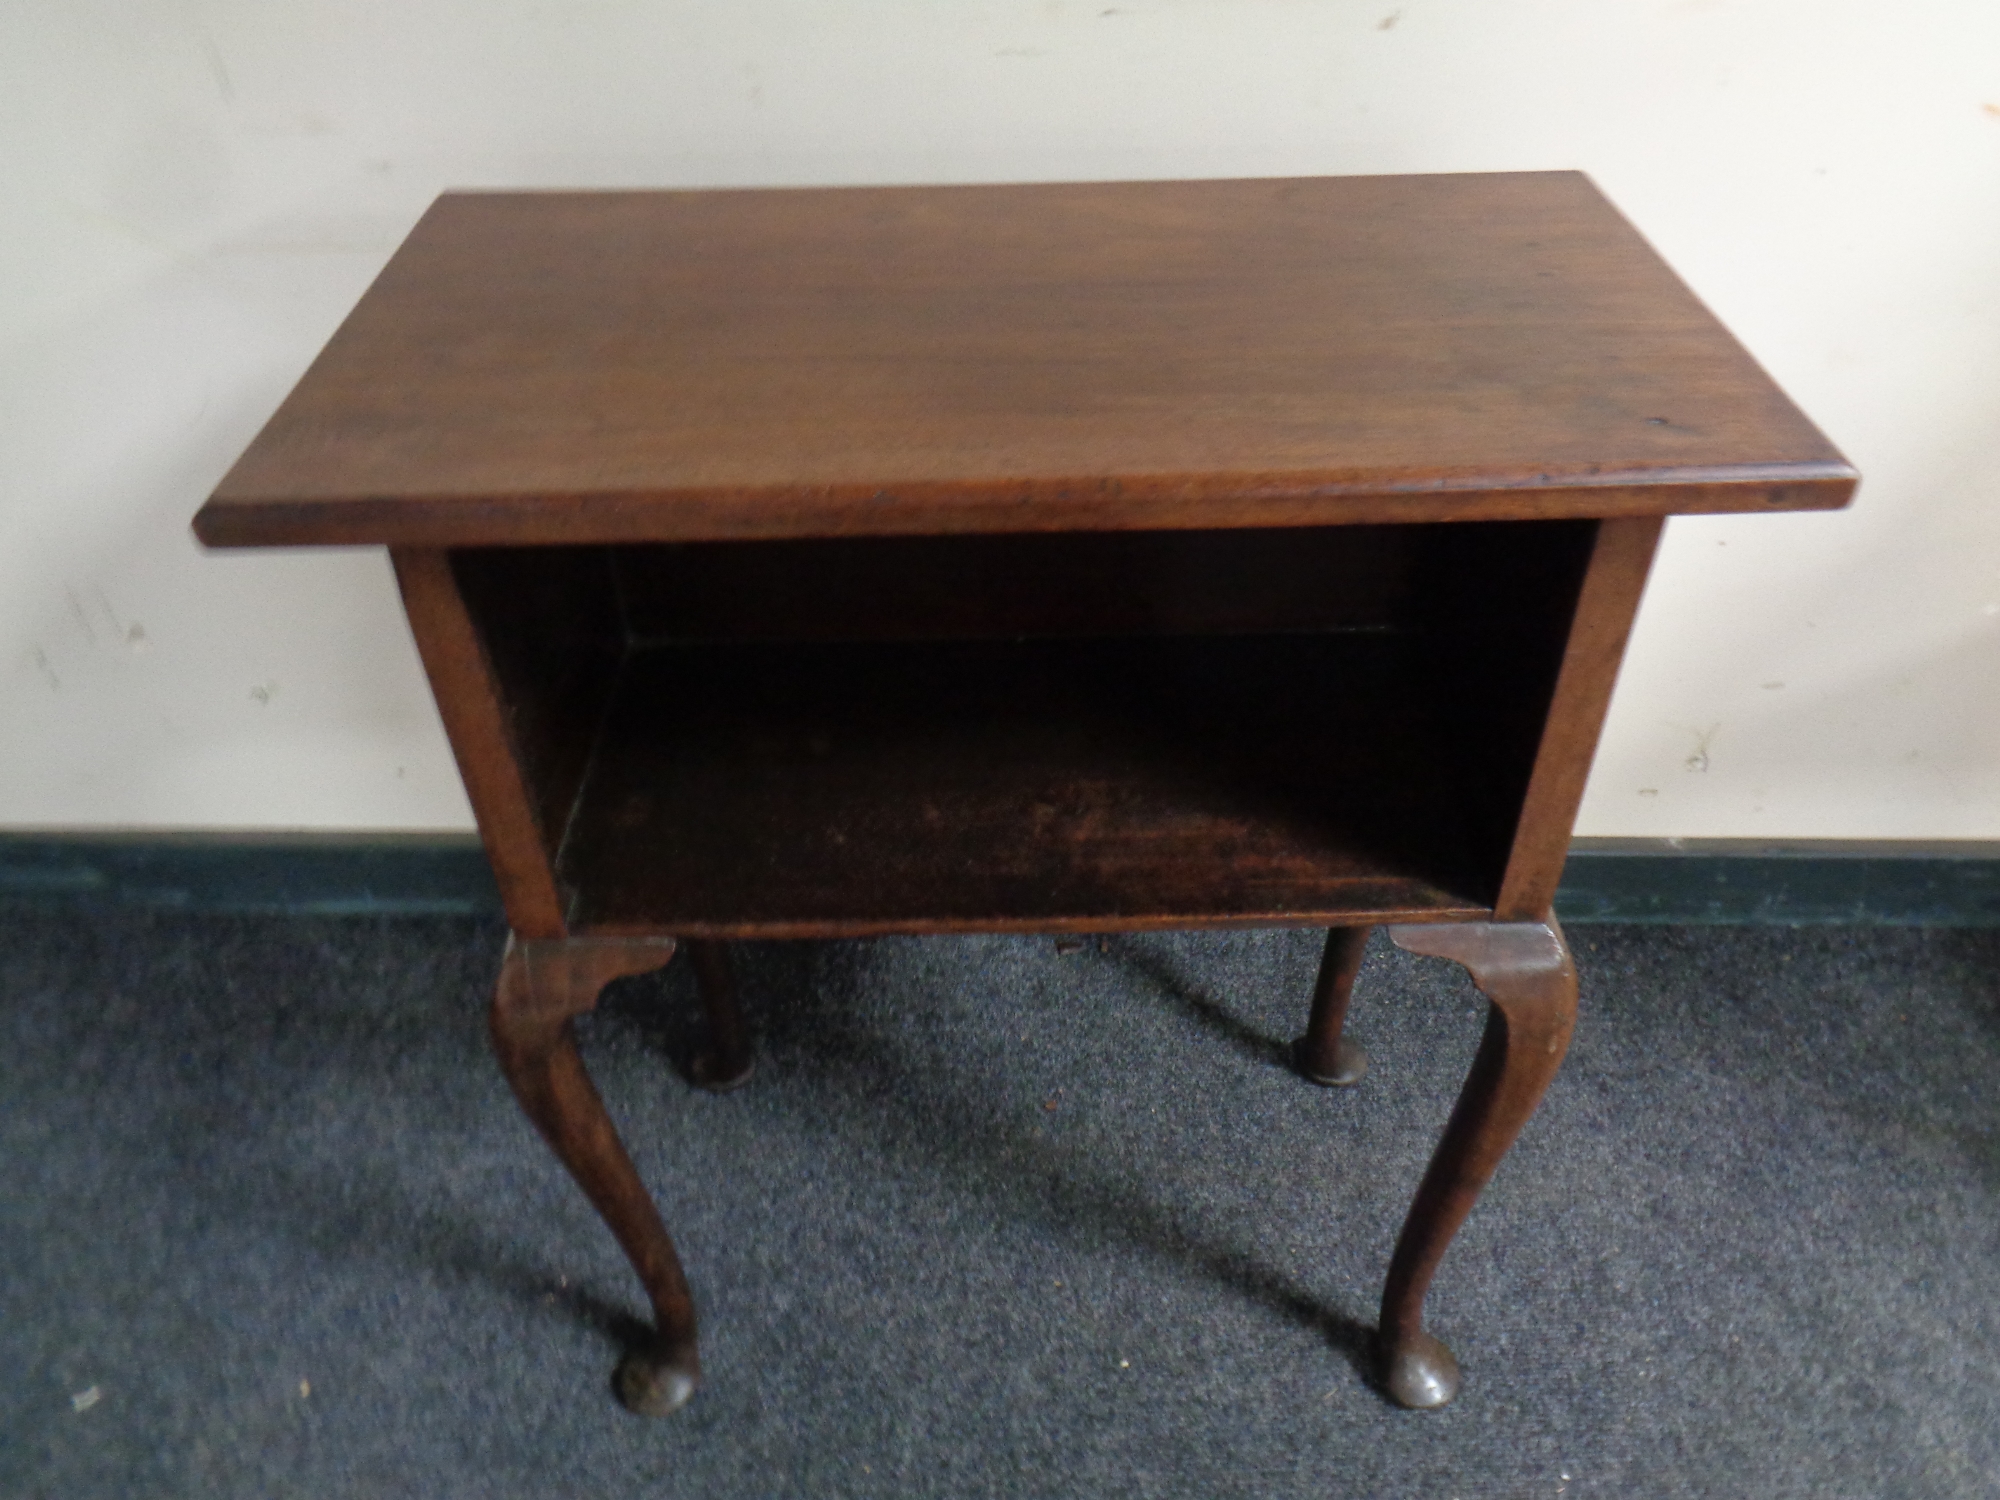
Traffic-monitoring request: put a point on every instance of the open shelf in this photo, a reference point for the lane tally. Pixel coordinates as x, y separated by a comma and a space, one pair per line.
769, 789
1028, 733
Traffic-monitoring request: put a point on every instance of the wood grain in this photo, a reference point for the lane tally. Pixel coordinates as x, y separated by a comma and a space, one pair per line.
581, 367
1606, 607
477, 720
553, 636
839, 790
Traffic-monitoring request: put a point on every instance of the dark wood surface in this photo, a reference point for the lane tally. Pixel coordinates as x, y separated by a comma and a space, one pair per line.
827, 790
553, 640
538, 367
828, 737
1594, 645
1045, 585
480, 724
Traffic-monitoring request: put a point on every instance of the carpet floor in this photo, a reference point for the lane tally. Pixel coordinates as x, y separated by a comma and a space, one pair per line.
994, 1218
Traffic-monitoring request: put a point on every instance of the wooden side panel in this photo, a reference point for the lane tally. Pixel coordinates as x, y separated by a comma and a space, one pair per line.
1501, 599
469, 701
1619, 561
549, 619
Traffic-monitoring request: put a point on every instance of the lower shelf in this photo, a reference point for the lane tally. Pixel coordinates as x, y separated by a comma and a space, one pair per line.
784, 790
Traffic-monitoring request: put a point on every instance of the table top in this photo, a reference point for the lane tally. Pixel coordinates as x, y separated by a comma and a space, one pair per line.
680, 365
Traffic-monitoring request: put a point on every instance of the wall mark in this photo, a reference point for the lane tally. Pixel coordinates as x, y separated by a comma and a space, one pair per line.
76, 608
1699, 760
224, 84
110, 614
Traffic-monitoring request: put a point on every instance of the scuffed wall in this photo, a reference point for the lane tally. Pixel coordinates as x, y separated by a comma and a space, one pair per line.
196, 191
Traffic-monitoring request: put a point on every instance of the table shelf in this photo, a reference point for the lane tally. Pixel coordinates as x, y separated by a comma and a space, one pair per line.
775, 790
1081, 731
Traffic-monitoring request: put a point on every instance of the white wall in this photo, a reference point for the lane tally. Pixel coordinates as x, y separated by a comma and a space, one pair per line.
193, 193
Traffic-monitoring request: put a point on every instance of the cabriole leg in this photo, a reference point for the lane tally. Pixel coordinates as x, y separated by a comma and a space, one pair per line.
725, 1060
1524, 969
1324, 1054
543, 984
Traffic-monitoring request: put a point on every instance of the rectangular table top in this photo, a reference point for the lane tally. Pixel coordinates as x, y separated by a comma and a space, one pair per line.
681, 365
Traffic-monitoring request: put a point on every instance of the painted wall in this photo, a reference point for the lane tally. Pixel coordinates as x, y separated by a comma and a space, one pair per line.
195, 192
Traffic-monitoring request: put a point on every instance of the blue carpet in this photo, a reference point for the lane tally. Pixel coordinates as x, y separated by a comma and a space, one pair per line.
992, 1219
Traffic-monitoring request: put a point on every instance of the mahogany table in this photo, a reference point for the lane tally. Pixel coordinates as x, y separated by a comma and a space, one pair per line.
1088, 557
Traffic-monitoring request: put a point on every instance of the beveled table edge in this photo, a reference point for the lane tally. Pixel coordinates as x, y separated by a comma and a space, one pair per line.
959, 507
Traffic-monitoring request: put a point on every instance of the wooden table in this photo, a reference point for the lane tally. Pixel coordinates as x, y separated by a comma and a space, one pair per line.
810, 564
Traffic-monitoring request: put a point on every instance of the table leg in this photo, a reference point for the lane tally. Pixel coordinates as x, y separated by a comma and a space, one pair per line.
1324, 1054
543, 984
725, 1060
1524, 969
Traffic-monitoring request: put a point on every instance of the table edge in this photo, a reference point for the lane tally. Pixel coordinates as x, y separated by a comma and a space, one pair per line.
1095, 503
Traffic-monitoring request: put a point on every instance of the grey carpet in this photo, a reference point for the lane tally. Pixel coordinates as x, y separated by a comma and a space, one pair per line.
993, 1219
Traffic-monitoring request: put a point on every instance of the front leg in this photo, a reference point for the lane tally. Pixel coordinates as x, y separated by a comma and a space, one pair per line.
543, 983
1524, 969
